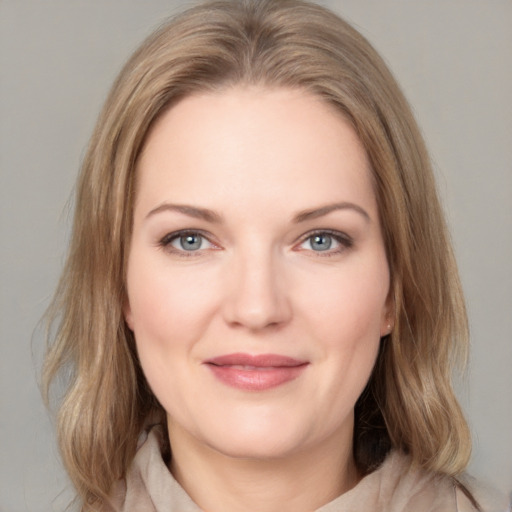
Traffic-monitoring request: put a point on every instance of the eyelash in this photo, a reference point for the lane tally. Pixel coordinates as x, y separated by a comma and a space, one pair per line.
166, 241
345, 241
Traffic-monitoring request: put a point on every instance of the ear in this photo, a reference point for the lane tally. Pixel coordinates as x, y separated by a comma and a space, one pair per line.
388, 315
127, 313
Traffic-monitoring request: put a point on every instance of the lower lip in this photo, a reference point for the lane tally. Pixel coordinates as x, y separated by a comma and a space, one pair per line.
257, 379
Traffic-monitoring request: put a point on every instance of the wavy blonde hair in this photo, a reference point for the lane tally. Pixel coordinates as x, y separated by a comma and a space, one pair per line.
409, 403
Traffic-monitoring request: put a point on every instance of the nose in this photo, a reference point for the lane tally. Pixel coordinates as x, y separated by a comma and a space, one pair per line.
257, 295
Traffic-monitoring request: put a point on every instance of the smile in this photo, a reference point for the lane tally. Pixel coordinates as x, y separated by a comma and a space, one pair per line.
255, 373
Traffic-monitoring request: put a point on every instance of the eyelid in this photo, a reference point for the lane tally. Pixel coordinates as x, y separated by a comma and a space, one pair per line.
345, 241
166, 241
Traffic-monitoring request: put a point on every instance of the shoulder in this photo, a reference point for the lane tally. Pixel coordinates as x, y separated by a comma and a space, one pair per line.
399, 485
414, 488
488, 498
148, 485
411, 487
464, 502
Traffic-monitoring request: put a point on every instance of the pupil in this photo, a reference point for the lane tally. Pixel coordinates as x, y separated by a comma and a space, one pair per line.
191, 242
321, 242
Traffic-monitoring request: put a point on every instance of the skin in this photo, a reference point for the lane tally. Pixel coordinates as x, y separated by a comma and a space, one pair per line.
256, 282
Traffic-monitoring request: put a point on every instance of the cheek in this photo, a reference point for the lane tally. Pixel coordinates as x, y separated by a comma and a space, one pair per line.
346, 316
348, 324
170, 308
165, 306
351, 304
151, 322
166, 315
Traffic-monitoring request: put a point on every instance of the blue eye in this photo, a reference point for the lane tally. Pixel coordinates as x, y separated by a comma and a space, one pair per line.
185, 242
320, 242
189, 242
324, 241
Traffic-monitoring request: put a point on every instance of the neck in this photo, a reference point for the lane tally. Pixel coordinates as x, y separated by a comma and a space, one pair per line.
304, 481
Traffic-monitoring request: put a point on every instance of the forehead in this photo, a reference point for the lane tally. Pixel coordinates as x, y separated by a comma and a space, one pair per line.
254, 143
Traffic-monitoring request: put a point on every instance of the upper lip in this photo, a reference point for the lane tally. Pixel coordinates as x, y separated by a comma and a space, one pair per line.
256, 361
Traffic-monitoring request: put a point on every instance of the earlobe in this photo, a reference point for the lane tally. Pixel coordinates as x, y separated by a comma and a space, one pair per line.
386, 330
387, 324
388, 319
127, 313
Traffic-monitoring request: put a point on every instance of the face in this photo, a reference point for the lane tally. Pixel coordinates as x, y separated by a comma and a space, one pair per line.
257, 278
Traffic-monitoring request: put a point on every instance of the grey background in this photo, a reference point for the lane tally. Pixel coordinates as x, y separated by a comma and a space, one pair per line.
57, 61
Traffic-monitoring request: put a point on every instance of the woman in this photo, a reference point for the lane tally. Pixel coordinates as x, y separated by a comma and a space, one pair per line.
260, 281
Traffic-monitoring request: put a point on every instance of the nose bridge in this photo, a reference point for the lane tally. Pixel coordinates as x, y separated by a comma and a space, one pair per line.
258, 295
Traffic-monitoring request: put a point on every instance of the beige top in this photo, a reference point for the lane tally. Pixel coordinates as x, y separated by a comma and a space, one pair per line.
394, 487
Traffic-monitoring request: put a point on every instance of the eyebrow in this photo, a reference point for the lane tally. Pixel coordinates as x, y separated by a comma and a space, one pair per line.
315, 213
214, 217
191, 211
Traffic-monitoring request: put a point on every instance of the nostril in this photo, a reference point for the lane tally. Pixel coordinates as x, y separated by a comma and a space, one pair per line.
256, 297
258, 313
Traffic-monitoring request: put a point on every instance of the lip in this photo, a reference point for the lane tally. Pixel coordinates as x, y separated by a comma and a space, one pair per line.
255, 372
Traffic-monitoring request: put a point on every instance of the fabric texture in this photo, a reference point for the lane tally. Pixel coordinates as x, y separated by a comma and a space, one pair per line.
396, 486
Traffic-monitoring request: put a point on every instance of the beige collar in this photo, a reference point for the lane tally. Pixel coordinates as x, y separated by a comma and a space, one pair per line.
396, 486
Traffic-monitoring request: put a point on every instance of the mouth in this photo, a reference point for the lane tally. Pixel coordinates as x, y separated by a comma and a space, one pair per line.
255, 372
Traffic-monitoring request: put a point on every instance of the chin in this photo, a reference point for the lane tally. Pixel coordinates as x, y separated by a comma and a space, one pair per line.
256, 438
256, 447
